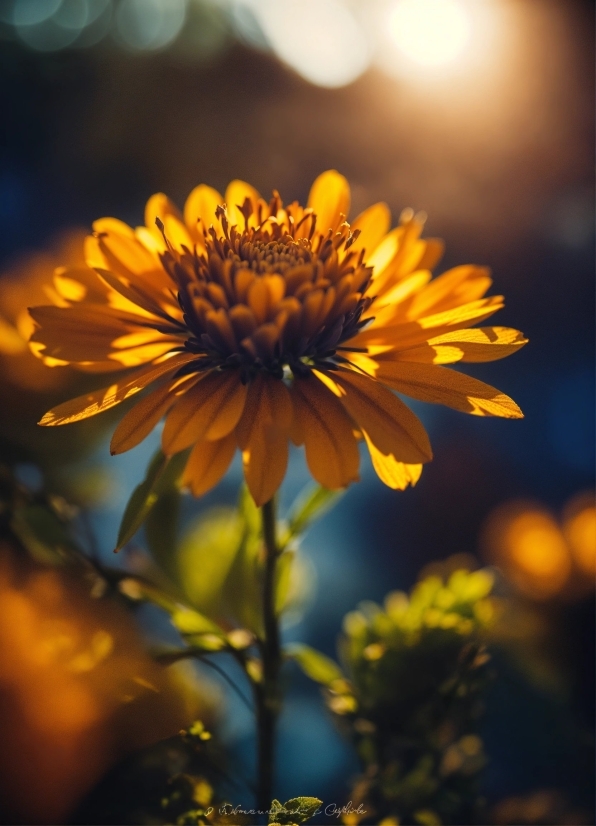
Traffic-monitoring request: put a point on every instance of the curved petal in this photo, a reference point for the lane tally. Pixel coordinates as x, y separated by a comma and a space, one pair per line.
440, 385
99, 400
331, 450
129, 261
208, 463
236, 193
435, 247
262, 435
79, 333
159, 206
474, 345
200, 206
400, 336
329, 198
209, 410
392, 473
453, 288
374, 224
140, 420
482, 343
389, 423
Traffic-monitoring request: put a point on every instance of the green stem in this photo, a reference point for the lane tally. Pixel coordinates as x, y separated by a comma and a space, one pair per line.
268, 693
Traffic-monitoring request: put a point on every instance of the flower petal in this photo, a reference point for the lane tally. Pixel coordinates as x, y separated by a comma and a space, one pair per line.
262, 435
209, 410
474, 345
410, 333
329, 198
392, 473
453, 288
236, 193
389, 423
140, 420
331, 449
440, 385
99, 400
208, 463
79, 333
373, 223
483, 343
159, 206
200, 206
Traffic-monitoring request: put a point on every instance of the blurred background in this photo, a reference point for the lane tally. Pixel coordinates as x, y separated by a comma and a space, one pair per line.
480, 113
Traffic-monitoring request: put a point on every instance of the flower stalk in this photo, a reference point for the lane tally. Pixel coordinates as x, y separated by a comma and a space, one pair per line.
268, 692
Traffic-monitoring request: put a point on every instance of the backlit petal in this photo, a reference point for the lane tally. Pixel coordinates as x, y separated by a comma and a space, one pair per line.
440, 385
331, 449
79, 333
392, 473
373, 224
483, 343
262, 435
140, 420
99, 400
209, 410
208, 463
200, 206
475, 345
329, 198
236, 193
453, 288
159, 206
389, 423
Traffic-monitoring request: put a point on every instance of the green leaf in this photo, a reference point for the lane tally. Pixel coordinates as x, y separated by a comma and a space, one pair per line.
162, 476
311, 504
283, 575
249, 511
294, 811
205, 556
188, 621
138, 591
143, 497
43, 534
242, 591
315, 665
161, 529
241, 594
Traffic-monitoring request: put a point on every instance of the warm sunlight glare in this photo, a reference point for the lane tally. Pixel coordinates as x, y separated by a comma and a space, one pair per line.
430, 33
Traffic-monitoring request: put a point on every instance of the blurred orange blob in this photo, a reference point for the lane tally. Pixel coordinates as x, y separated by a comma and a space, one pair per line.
579, 527
77, 692
31, 280
541, 556
525, 541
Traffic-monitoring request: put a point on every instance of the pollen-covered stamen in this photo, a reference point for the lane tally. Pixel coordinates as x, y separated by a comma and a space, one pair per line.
272, 295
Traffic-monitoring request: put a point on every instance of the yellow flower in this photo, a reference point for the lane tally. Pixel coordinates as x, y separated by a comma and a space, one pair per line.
260, 324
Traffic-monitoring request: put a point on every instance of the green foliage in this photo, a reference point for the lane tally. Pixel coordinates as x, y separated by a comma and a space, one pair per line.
312, 503
205, 556
43, 534
160, 480
315, 665
293, 812
417, 670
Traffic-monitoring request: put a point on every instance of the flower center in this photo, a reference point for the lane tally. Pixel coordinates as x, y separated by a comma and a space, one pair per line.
276, 256
272, 296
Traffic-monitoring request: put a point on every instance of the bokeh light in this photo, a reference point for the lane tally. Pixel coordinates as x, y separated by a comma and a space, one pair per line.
579, 527
78, 691
525, 541
319, 39
149, 24
540, 555
430, 32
